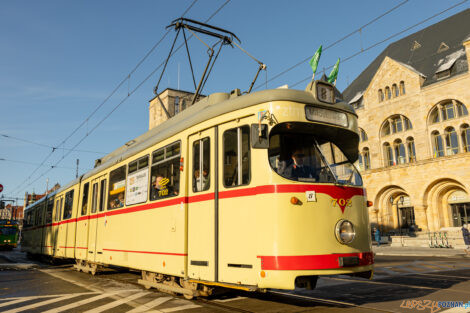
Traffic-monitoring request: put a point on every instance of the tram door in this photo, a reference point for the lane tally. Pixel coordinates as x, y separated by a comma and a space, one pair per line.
237, 212
201, 206
59, 235
97, 220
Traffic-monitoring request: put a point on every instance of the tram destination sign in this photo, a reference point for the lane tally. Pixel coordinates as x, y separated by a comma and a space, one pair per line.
315, 114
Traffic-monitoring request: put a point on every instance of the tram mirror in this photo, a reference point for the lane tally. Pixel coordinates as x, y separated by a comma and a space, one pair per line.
259, 139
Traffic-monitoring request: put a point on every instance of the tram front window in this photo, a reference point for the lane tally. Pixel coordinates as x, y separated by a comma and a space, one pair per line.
302, 157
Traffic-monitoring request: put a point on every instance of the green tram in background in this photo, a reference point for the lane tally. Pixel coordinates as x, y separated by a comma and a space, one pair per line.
9, 233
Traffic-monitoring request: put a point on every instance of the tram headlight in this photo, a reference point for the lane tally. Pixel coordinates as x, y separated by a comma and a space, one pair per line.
345, 231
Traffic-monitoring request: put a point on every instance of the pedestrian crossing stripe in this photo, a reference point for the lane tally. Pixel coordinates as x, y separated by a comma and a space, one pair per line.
94, 296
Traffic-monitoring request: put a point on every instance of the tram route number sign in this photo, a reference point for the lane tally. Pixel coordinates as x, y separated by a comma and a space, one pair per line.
311, 196
1, 187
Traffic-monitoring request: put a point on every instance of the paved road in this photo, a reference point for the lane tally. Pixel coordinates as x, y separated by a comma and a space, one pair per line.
401, 284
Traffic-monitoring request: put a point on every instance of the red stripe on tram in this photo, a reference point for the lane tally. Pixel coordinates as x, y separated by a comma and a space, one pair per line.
147, 252
311, 262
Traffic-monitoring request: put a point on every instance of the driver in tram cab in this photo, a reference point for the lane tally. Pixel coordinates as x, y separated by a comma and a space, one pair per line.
297, 169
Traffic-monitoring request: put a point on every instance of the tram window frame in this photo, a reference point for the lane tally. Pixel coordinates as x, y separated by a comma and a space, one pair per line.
102, 195
68, 205
86, 191
117, 176
201, 162
238, 146
137, 181
49, 209
94, 198
162, 164
57, 210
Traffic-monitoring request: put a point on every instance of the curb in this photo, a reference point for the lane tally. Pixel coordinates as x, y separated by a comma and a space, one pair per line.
460, 255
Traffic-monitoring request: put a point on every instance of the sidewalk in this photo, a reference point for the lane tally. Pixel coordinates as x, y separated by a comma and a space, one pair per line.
419, 251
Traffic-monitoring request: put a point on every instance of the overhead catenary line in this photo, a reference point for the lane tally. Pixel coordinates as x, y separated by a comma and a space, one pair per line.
45, 165
343, 60
358, 30
121, 102
86, 120
47, 146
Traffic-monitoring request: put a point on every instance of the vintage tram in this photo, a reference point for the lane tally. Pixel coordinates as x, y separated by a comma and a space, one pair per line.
249, 191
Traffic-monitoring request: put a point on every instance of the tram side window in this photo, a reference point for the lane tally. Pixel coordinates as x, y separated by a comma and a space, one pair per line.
57, 211
201, 164
50, 206
68, 205
94, 199
165, 172
117, 188
237, 156
103, 195
137, 181
86, 187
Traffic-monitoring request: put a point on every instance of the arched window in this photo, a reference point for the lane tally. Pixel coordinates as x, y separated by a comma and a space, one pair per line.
438, 145
410, 145
447, 110
388, 94
363, 135
434, 116
451, 141
395, 90
388, 154
365, 158
381, 95
465, 134
400, 154
396, 124
402, 88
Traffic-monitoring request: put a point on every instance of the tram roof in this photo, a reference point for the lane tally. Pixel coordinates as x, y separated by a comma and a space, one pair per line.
212, 106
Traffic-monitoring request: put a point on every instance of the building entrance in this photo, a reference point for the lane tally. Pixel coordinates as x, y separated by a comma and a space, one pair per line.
407, 215
460, 213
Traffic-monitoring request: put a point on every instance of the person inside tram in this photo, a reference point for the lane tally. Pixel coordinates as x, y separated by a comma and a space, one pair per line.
198, 178
297, 169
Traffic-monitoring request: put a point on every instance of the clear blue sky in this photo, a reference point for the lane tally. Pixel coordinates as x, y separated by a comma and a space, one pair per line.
59, 60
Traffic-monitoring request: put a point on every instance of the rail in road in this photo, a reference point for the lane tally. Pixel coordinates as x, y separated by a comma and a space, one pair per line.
401, 285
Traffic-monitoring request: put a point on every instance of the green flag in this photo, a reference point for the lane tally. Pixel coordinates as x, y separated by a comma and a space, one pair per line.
314, 61
334, 73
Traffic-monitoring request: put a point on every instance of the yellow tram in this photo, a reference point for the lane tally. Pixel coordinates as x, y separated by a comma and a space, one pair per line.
250, 191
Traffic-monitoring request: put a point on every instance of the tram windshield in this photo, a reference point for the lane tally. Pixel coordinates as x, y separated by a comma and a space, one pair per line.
304, 157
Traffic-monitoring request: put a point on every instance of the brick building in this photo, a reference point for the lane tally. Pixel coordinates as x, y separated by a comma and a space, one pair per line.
412, 102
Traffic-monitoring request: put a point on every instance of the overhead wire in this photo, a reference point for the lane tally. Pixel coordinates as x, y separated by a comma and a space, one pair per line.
46, 146
387, 39
334, 43
31, 163
86, 120
122, 101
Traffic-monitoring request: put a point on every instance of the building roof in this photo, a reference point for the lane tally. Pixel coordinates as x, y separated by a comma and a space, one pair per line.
424, 52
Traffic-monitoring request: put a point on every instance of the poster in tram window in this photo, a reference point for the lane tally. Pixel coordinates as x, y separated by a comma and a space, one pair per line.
137, 187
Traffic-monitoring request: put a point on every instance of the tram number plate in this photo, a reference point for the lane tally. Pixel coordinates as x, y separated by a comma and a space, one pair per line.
311, 196
348, 261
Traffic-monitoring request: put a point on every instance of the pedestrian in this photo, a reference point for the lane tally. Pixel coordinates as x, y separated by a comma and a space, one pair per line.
466, 236
377, 236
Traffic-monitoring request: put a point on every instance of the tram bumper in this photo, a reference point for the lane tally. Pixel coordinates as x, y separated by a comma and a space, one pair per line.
301, 271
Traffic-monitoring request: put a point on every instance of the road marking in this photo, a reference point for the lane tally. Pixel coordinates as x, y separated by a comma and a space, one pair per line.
15, 300
180, 308
118, 302
79, 303
42, 303
149, 305
230, 299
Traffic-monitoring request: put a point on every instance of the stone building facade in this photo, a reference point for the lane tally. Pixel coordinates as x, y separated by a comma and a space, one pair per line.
413, 102
174, 101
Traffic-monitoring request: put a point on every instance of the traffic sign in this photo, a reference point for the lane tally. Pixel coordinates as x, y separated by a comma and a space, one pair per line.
1, 187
